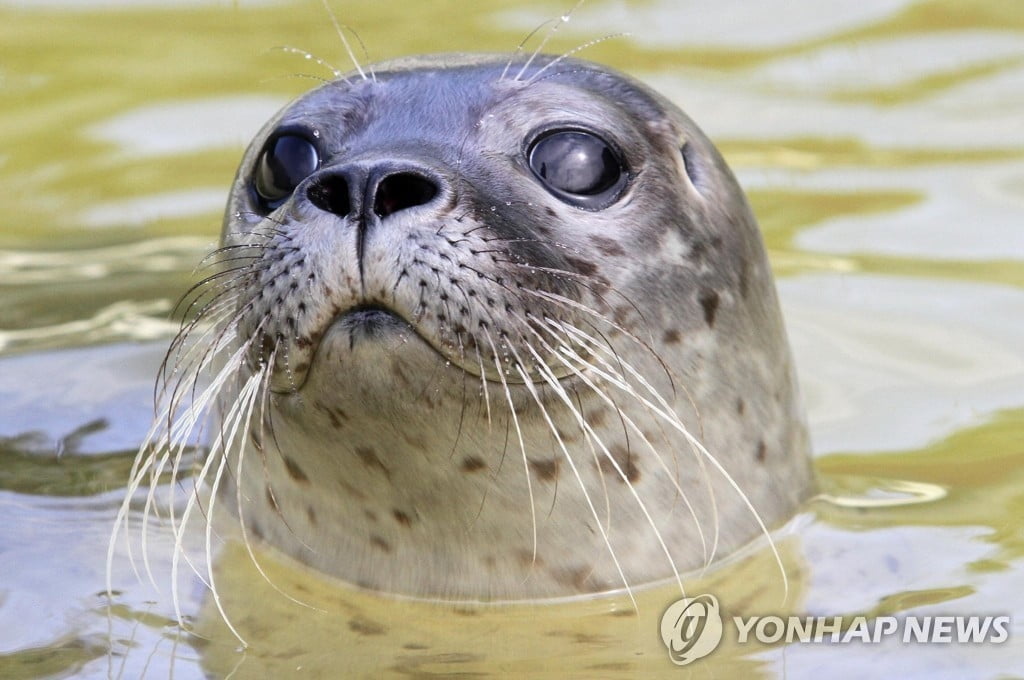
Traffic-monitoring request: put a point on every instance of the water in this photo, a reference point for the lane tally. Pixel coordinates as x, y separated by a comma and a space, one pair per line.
882, 146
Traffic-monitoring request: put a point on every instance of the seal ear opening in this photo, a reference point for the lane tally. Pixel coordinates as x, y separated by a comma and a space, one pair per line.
692, 165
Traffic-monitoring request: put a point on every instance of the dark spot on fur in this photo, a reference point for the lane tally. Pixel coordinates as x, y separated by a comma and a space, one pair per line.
335, 423
378, 542
697, 251
626, 463
256, 530
370, 515
370, 459
311, 514
351, 490
366, 627
762, 451
551, 212
546, 470
294, 471
709, 302
596, 418
671, 336
415, 647
577, 578
622, 314
741, 405
582, 266
472, 464
607, 246
490, 562
401, 517
566, 436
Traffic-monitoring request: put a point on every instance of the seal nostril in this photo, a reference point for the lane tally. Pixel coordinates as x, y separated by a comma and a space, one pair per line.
330, 193
400, 191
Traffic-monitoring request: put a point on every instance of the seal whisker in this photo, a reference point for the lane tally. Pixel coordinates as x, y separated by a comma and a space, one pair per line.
214, 311
578, 306
226, 278
519, 48
575, 50
224, 335
136, 475
673, 420
344, 40
241, 412
589, 438
564, 19
483, 384
263, 390
588, 342
172, 440
519, 436
579, 479
190, 363
249, 260
591, 284
309, 56
462, 403
213, 278
179, 429
175, 441
563, 395
564, 353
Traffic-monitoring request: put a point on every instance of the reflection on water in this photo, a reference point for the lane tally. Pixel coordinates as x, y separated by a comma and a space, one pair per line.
882, 144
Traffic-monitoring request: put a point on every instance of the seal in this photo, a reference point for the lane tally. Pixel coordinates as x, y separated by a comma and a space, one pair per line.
488, 329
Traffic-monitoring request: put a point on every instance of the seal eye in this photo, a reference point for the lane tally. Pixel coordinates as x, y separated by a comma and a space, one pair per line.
287, 159
578, 167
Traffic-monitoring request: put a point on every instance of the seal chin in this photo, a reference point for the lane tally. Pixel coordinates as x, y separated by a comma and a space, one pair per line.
369, 323
362, 333
373, 334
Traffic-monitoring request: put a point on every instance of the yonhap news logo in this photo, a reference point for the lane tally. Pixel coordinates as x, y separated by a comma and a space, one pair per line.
693, 627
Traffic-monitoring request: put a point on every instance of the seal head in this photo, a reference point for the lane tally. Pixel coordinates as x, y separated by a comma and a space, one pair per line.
500, 331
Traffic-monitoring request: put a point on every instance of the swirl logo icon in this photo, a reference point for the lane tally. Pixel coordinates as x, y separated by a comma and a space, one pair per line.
691, 628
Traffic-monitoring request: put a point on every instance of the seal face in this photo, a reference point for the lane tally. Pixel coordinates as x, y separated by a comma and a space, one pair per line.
492, 330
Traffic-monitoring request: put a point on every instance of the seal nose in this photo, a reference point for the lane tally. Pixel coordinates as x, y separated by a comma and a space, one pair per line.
402, 190
331, 193
384, 190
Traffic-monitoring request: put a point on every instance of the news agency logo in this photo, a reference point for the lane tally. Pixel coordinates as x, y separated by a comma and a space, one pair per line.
692, 628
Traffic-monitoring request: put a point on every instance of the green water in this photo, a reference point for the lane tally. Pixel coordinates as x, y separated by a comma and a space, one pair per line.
882, 147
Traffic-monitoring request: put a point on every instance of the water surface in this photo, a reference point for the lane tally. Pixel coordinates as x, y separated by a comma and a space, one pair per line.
882, 146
